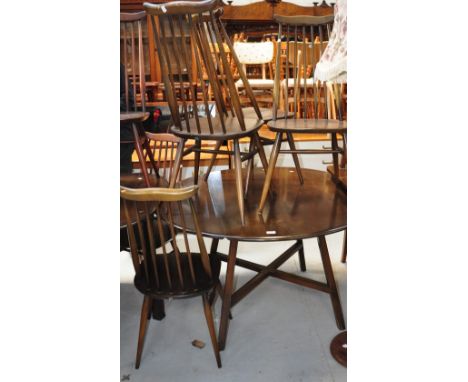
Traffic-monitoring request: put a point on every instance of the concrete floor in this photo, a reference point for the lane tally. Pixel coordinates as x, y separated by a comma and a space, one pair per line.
280, 332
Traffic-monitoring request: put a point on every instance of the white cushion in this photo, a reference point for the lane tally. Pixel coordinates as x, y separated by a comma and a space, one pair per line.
257, 83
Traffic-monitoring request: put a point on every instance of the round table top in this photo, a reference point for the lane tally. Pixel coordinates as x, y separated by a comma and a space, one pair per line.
293, 211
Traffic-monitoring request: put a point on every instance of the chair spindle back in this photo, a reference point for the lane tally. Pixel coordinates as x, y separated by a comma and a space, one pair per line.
170, 269
192, 45
305, 39
133, 58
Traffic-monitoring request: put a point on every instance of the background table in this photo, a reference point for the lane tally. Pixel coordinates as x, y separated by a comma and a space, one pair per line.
292, 212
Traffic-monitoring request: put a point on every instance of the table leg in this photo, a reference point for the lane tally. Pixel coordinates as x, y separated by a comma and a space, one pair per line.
344, 250
228, 289
327, 267
157, 309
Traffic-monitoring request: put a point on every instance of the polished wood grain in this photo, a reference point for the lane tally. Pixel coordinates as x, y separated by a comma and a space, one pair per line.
309, 126
287, 212
338, 348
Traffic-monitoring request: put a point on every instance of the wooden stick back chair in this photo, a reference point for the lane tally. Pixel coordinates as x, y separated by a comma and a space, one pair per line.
176, 272
133, 109
192, 43
301, 33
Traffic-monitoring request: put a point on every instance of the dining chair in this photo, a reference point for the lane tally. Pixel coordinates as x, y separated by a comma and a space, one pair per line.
163, 148
185, 34
301, 32
133, 103
257, 53
181, 271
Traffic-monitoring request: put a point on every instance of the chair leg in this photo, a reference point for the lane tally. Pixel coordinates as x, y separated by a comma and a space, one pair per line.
260, 150
196, 166
269, 174
141, 156
211, 328
145, 312
150, 153
212, 160
302, 263
250, 165
238, 169
295, 157
344, 252
176, 164
336, 164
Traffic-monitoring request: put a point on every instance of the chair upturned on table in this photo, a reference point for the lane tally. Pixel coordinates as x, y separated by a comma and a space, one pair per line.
185, 33
161, 273
304, 100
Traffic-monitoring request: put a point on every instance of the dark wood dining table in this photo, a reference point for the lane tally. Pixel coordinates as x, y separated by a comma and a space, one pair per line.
293, 212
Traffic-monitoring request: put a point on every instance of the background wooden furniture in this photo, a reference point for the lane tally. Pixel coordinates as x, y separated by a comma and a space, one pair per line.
262, 54
294, 212
255, 20
177, 273
174, 25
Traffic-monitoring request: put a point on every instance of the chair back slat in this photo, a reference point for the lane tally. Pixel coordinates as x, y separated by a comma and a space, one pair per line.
191, 40
141, 235
200, 76
305, 39
151, 232
186, 243
175, 268
133, 57
163, 148
239, 67
186, 55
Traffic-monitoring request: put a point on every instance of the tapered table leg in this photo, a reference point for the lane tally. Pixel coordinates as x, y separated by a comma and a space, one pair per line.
157, 309
344, 251
228, 289
327, 267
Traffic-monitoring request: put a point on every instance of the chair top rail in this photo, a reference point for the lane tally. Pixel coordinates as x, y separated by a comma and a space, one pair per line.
181, 7
128, 17
304, 20
158, 194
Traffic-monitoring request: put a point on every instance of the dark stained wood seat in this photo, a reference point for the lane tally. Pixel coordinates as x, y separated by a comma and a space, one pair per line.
184, 287
313, 126
233, 129
176, 271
